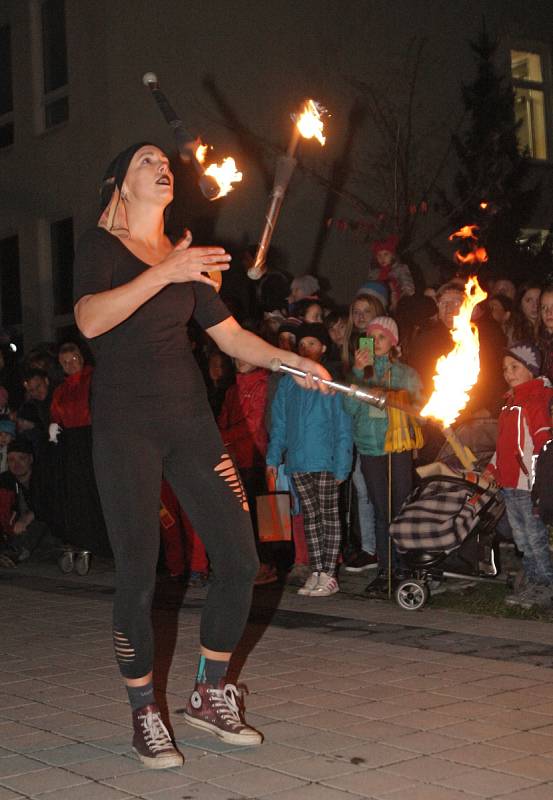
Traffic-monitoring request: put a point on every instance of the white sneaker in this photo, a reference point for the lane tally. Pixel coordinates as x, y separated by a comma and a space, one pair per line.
310, 583
326, 586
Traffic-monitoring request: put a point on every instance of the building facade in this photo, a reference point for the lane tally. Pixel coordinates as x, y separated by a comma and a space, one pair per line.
71, 96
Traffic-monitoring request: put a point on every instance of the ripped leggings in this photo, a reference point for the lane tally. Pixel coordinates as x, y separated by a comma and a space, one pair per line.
132, 447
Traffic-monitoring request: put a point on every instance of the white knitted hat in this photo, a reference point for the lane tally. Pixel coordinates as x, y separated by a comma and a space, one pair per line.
385, 325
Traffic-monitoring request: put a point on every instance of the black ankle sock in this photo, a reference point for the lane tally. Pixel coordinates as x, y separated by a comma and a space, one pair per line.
211, 671
140, 696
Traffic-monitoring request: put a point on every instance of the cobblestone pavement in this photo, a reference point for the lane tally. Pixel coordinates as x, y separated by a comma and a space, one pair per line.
355, 698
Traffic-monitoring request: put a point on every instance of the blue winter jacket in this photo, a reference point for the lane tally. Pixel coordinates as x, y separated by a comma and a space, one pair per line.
310, 430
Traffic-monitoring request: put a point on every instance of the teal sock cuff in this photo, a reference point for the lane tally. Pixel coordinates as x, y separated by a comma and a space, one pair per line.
200, 675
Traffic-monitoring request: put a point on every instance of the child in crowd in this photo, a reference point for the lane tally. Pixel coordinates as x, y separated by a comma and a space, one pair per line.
315, 433
503, 285
302, 287
335, 323
370, 302
242, 427
502, 309
526, 319
524, 427
309, 310
385, 449
545, 337
388, 269
7, 435
363, 309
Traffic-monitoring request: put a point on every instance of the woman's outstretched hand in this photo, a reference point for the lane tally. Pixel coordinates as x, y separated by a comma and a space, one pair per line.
185, 263
313, 368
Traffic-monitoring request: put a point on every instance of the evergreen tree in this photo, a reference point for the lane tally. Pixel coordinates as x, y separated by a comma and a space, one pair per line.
491, 183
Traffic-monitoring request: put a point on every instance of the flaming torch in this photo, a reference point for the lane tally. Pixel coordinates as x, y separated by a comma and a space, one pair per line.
309, 125
215, 181
224, 173
457, 372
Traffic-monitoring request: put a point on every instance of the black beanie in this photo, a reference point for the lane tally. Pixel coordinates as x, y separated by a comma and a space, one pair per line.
116, 171
21, 445
314, 329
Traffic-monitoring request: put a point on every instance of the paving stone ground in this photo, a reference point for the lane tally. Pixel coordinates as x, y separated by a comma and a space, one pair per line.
356, 699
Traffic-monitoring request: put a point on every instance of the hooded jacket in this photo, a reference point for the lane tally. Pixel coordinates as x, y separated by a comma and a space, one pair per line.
70, 406
524, 427
312, 429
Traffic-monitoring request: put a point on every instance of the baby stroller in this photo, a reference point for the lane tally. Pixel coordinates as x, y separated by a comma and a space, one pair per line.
447, 524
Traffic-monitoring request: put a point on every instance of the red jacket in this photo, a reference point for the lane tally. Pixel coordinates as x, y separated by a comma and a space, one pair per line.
8, 506
523, 429
241, 420
70, 403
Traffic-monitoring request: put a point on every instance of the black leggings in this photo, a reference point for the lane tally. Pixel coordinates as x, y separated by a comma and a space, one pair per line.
375, 471
132, 447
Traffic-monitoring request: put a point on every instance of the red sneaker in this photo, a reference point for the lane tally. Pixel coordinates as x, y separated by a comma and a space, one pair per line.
151, 740
220, 711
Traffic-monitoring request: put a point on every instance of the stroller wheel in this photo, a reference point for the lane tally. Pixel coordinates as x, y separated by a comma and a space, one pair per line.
411, 595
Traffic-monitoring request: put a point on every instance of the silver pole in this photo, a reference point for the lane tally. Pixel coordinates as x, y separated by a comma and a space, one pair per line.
378, 400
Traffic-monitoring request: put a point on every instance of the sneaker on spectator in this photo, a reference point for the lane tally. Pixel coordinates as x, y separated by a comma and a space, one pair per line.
326, 586
152, 742
298, 574
82, 562
267, 574
310, 584
378, 587
66, 561
219, 710
360, 562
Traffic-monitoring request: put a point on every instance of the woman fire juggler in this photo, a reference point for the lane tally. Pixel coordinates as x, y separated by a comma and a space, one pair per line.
135, 292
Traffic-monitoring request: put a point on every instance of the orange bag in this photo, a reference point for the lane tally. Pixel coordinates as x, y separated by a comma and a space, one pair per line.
274, 522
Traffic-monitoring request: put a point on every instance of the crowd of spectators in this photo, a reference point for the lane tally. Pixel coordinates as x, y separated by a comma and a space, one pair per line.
348, 466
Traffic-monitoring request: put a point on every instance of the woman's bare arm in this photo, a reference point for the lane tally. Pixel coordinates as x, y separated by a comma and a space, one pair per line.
232, 339
98, 313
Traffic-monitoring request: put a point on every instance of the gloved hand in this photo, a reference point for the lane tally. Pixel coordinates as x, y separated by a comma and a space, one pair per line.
54, 431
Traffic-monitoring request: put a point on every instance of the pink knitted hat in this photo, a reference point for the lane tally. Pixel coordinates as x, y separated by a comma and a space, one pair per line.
385, 325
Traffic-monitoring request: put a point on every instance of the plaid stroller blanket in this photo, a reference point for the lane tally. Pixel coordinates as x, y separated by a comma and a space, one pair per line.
439, 514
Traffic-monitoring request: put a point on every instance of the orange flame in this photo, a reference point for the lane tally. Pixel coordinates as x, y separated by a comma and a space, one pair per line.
201, 152
225, 174
309, 122
466, 232
457, 372
477, 256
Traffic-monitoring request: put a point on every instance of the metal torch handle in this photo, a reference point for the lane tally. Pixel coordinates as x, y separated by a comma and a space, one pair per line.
352, 391
183, 137
285, 168
186, 143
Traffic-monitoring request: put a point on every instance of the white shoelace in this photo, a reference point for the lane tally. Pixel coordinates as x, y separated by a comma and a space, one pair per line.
225, 705
156, 734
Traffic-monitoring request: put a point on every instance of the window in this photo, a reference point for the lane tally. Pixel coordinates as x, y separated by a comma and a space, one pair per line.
54, 62
6, 88
527, 70
61, 242
10, 286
